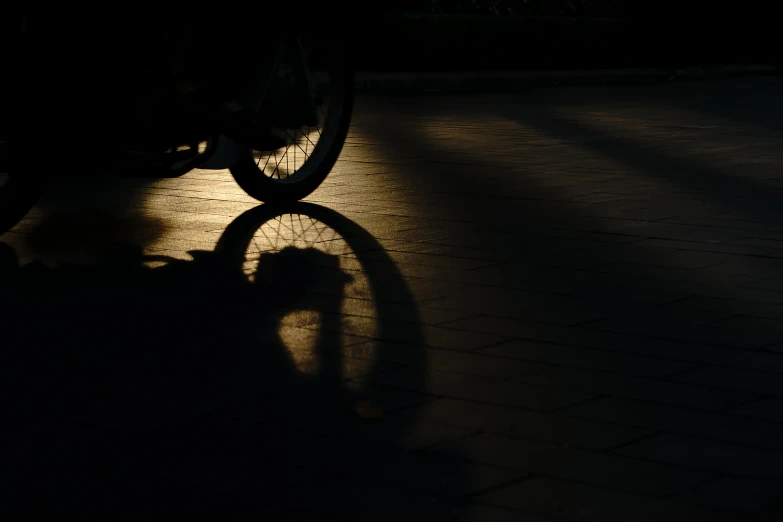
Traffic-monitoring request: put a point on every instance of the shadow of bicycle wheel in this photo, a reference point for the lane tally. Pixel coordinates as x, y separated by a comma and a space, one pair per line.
240, 384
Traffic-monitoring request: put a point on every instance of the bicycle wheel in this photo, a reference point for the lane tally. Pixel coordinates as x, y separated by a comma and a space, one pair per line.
295, 171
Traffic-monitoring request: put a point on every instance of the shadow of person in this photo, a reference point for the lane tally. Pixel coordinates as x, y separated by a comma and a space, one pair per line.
231, 386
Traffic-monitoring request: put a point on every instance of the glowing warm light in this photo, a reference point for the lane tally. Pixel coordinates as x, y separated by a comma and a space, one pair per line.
274, 252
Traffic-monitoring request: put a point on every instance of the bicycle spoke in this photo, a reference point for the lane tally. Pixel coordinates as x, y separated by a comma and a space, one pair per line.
302, 142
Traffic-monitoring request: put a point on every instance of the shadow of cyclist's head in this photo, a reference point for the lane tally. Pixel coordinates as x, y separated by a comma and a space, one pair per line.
242, 381
294, 273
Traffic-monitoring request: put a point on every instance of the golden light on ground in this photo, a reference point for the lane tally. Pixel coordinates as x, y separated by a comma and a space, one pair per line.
313, 267
301, 343
309, 258
556, 165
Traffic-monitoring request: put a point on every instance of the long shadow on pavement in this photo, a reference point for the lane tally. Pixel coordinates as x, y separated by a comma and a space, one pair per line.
221, 388
600, 308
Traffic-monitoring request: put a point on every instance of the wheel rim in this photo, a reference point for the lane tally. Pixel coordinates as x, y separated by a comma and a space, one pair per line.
306, 145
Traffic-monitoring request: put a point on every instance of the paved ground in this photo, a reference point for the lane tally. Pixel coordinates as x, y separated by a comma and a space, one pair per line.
558, 305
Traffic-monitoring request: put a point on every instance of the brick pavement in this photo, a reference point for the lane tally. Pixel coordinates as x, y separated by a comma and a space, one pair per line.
549, 306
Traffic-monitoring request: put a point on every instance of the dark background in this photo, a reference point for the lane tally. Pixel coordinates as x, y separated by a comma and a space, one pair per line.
445, 35
454, 35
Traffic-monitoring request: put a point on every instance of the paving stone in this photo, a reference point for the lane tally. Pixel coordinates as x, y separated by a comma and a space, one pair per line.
107, 494
649, 415
406, 428
654, 390
507, 393
734, 379
521, 305
700, 454
254, 477
127, 416
407, 333
471, 363
541, 331
579, 357
662, 326
749, 432
740, 494
704, 355
598, 469
554, 428
768, 408
29, 510
476, 512
359, 501
574, 501
661, 417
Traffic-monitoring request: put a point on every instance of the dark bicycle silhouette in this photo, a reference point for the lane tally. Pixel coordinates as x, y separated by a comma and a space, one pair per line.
154, 91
